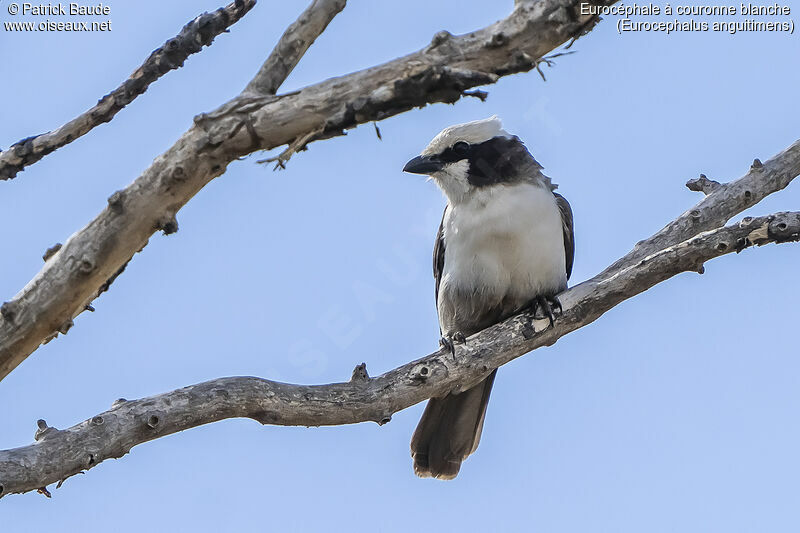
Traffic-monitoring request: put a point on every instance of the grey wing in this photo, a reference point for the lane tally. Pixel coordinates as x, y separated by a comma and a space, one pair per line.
438, 257
569, 231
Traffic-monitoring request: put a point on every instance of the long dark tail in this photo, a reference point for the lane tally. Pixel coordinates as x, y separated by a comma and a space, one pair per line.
450, 430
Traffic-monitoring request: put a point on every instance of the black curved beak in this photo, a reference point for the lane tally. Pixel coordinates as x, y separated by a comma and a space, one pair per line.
423, 164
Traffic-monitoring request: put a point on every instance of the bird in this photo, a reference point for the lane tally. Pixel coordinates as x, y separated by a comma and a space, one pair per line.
505, 244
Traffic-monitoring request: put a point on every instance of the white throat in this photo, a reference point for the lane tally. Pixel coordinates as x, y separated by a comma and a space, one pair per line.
453, 181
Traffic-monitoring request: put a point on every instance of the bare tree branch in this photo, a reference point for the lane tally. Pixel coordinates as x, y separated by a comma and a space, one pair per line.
90, 260
441, 72
297, 38
192, 38
722, 202
59, 454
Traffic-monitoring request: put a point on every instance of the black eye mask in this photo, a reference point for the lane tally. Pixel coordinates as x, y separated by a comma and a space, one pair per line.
494, 161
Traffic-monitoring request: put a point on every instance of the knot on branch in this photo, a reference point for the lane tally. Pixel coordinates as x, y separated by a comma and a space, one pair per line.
115, 201
153, 420
43, 431
497, 40
703, 184
118, 403
178, 174
24, 147
360, 374
785, 227
167, 223
8, 311
420, 373
50, 252
440, 38
86, 266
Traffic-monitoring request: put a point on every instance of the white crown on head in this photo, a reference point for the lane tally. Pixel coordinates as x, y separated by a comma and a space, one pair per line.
474, 132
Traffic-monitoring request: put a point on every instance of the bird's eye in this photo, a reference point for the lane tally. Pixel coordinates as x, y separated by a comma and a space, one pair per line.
461, 147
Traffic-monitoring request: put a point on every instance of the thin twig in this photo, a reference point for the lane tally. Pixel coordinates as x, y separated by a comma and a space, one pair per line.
297, 145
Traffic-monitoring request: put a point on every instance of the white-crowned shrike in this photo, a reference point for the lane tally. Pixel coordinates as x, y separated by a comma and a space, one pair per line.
505, 243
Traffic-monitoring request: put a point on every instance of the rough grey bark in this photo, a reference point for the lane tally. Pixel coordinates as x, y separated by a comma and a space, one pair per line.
441, 72
192, 38
59, 454
722, 202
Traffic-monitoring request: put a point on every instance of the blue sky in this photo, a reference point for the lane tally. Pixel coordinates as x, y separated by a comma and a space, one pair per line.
676, 411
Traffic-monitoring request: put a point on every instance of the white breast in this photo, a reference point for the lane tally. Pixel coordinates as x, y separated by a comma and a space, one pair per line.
505, 241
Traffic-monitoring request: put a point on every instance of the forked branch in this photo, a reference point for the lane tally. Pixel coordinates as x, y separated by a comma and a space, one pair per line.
441, 72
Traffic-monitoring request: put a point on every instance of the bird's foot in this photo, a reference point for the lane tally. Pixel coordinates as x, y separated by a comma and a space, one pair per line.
450, 341
546, 307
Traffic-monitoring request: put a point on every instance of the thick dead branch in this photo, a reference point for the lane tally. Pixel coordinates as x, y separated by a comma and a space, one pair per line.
192, 38
440, 72
59, 454
293, 45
